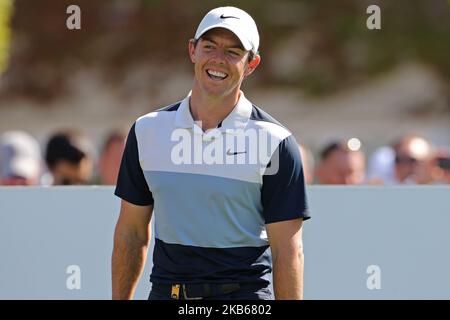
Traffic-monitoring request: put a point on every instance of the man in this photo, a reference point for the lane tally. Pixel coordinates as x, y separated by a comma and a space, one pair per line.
443, 164
20, 159
69, 157
308, 163
405, 162
340, 165
216, 209
412, 154
110, 156
433, 169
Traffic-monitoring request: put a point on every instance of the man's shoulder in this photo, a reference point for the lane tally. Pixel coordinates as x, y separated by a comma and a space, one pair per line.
264, 120
169, 108
158, 115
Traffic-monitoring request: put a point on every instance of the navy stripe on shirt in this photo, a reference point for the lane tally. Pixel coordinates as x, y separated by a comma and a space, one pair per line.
131, 176
191, 264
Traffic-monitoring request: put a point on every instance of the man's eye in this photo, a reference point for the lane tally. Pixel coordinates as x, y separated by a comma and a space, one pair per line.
233, 53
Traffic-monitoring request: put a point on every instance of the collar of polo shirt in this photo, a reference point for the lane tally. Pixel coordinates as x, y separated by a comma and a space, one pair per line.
237, 119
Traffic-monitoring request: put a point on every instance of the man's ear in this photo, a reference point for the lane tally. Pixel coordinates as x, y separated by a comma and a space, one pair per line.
191, 49
252, 65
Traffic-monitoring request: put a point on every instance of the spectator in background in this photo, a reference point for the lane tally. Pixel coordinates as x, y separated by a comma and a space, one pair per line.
20, 159
308, 164
381, 168
434, 169
412, 152
340, 165
111, 156
69, 157
443, 163
408, 161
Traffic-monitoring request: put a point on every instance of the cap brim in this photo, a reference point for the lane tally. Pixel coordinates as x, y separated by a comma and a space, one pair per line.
245, 43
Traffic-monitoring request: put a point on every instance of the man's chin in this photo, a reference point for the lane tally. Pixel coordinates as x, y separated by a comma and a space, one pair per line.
216, 92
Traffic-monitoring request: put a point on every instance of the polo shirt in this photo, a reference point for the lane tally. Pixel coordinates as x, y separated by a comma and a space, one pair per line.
212, 192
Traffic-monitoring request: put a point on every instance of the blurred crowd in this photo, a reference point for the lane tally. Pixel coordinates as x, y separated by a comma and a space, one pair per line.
70, 158
411, 159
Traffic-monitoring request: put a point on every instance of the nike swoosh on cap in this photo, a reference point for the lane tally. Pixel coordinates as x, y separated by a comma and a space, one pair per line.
227, 17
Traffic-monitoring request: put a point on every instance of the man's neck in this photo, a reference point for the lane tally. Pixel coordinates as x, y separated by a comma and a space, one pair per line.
211, 110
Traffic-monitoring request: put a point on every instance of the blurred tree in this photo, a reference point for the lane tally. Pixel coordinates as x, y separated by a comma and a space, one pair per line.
316, 46
6, 7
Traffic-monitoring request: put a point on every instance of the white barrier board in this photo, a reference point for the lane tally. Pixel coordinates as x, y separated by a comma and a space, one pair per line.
361, 243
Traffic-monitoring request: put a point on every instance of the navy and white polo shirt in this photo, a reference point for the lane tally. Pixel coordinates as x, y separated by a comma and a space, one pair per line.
213, 192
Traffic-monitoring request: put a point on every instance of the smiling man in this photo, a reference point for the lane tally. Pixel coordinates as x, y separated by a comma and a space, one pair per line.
221, 227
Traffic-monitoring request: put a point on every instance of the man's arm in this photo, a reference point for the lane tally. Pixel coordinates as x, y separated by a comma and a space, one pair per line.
131, 240
285, 240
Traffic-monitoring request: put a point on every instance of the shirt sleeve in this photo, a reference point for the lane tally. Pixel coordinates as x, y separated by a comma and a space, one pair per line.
283, 193
131, 184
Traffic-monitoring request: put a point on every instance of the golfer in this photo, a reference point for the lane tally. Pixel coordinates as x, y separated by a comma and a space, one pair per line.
222, 180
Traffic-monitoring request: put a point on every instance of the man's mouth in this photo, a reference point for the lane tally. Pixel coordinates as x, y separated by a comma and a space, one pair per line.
216, 75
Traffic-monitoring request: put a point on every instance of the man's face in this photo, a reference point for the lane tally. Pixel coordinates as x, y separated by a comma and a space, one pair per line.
110, 162
343, 168
66, 173
221, 63
411, 155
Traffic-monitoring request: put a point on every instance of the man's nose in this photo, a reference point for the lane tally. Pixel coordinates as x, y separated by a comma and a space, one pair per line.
218, 55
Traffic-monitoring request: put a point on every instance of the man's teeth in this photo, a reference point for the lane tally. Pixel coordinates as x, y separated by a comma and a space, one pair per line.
217, 74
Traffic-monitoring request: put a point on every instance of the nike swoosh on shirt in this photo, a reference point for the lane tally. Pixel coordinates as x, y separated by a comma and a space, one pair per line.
233, 153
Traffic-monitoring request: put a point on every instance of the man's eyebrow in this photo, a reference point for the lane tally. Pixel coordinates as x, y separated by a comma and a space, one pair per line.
233, 46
